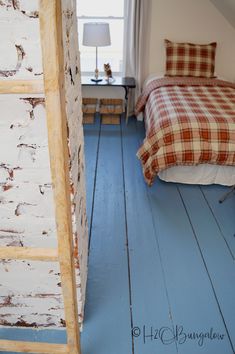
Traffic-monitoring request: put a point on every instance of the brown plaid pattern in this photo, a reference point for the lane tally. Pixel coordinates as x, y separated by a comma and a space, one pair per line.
188, 59
187, 125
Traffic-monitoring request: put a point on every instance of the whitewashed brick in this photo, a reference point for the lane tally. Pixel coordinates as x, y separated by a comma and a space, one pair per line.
30, 292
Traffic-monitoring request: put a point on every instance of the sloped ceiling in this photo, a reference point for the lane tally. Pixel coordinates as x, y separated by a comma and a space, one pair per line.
227, 8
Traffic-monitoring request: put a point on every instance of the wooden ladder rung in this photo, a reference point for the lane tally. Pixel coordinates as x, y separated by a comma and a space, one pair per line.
33, 347
21, 86
33, 254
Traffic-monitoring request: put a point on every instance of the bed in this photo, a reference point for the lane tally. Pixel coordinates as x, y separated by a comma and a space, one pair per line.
189, 118
190, 130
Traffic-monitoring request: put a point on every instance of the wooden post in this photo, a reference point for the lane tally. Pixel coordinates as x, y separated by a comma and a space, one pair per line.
50, 15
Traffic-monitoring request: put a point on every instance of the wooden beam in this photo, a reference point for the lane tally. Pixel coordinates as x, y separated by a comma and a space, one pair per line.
21, 86
50, 15
33, 254
32, 347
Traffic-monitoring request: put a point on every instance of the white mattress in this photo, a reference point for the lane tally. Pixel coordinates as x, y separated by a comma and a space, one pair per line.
200, 174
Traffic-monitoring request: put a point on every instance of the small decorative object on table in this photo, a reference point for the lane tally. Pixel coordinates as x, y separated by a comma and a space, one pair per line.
108, 73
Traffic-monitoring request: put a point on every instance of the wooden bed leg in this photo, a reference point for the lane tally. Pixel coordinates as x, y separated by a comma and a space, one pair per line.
226, 195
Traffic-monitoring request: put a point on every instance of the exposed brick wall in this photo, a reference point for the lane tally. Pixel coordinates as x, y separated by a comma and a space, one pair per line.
30, 292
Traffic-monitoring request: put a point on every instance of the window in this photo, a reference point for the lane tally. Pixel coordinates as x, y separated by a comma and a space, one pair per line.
112, 12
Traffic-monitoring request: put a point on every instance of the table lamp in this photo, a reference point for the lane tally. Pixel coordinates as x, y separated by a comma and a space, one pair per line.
96, 34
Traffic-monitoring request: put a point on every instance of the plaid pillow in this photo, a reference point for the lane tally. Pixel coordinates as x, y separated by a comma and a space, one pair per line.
188, 59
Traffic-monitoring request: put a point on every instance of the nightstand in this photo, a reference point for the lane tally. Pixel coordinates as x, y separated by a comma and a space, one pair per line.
127, 83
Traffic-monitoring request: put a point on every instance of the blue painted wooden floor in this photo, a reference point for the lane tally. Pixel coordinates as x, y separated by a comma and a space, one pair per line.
161, 265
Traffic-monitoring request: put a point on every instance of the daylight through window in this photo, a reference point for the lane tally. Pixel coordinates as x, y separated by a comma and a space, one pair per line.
112, 12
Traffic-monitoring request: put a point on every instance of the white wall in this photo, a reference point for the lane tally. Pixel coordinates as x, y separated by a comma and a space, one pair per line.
196, 21
103, 92
227, 8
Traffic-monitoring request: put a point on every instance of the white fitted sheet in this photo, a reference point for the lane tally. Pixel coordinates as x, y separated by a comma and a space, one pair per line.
200, 174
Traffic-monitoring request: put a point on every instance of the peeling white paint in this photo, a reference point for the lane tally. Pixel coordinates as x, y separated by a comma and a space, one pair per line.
76, 140
30, 292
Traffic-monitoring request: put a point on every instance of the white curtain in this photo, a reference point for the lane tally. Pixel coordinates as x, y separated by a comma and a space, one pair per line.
135, 43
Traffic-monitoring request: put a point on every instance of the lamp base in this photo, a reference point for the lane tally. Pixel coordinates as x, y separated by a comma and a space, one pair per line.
96, 80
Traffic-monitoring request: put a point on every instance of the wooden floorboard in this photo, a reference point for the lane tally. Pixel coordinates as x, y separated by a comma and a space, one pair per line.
178, 268
150, 307
190, 293
219, 263
223, 213
92, 136
32, 335
107, 327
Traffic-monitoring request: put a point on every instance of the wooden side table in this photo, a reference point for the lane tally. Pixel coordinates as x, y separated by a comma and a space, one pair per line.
126, 82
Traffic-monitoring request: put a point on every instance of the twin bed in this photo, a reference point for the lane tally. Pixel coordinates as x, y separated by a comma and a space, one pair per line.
190, 122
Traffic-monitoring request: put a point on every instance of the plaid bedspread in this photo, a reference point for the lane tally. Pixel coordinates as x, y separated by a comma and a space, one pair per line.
189, 121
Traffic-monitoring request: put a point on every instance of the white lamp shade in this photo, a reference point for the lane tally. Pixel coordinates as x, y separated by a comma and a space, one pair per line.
96, 34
